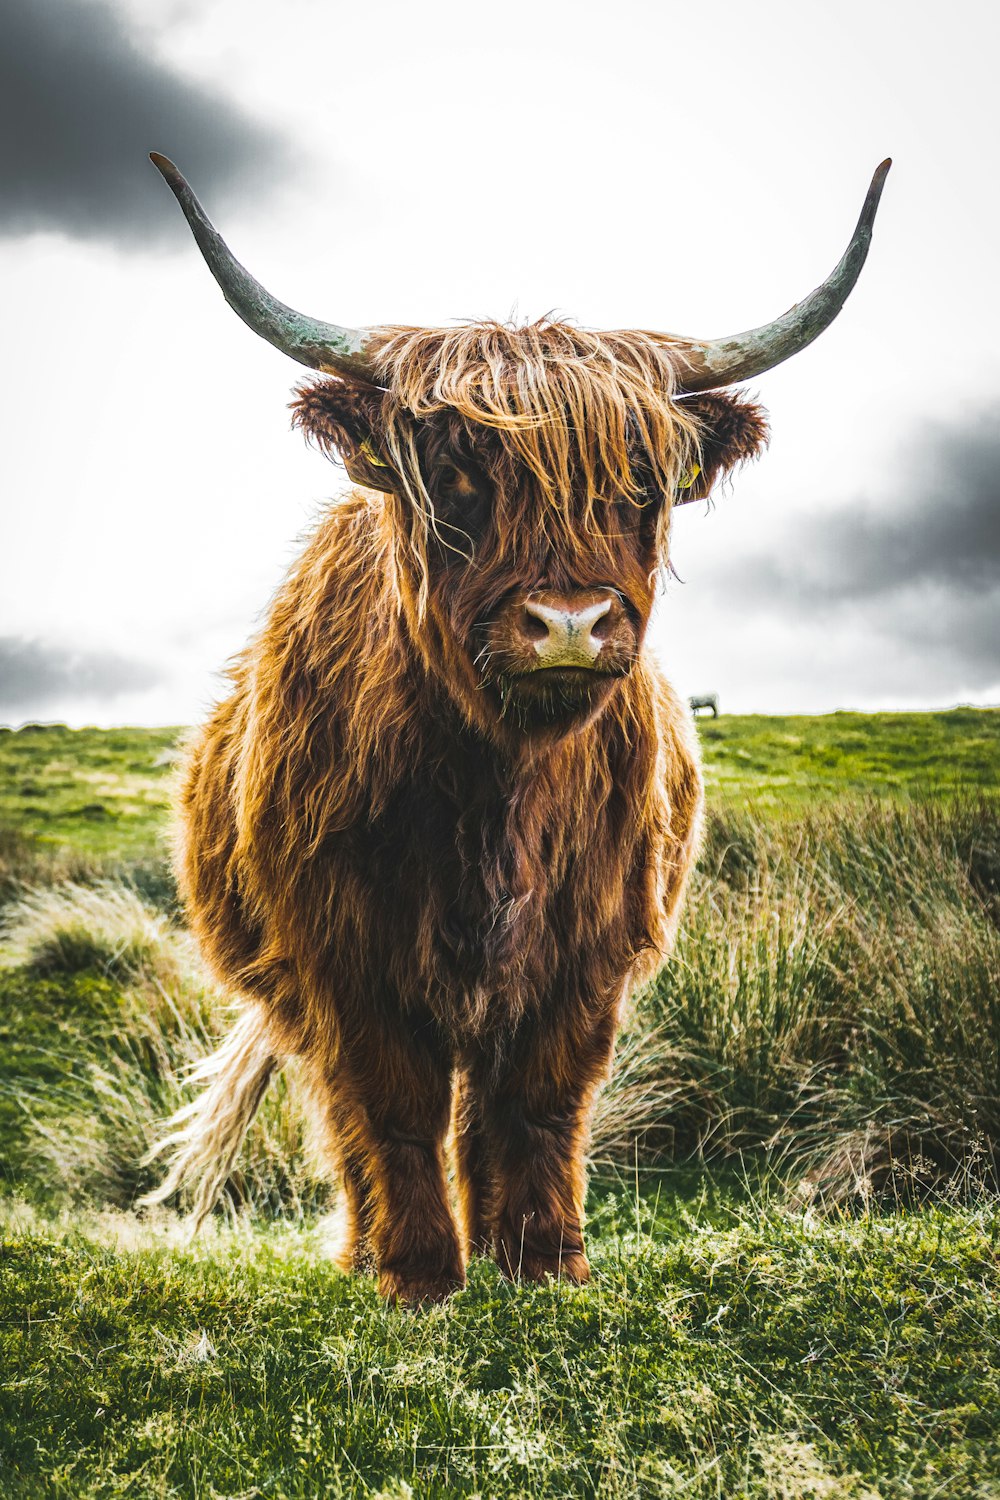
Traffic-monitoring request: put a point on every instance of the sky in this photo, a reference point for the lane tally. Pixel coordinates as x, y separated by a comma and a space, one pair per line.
695, 168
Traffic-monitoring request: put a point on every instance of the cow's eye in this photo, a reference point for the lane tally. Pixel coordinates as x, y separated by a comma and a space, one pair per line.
647, 493
462, 504
453, 480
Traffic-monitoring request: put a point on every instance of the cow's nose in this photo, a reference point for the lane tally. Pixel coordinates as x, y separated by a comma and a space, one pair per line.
565, 635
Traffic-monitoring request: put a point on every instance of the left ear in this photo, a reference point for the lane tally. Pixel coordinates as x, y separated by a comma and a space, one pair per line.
346, 419
733, 430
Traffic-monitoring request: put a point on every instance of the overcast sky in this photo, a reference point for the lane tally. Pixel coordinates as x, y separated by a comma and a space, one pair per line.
689, 167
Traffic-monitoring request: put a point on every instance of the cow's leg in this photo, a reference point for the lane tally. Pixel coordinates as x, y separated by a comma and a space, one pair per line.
389, 1102
536, 1114
472, 1169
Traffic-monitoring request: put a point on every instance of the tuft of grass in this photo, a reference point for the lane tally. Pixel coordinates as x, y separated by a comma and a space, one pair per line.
834, 1000
27, 864
24, 862
106, 926
104, 1012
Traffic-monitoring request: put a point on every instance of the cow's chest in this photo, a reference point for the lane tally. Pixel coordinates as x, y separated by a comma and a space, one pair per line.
490, 887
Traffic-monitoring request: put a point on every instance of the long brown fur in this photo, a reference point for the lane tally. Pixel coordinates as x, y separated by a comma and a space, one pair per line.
437, 887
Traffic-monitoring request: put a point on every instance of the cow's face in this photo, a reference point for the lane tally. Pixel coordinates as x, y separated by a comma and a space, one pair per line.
528, 600
546, 598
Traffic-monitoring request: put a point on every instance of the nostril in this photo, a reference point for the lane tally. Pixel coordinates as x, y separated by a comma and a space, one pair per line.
596, 620
535, 629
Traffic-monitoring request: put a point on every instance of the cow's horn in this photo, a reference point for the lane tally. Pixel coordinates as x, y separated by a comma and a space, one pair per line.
322, 346
706, 364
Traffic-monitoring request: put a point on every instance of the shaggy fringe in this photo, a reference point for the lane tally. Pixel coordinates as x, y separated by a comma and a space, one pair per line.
206, 1135
567, 404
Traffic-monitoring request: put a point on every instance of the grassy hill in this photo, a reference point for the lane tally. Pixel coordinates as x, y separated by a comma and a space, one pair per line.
796, 761
793, 1213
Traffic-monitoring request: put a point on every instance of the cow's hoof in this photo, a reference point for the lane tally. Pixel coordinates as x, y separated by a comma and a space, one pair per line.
404, 1288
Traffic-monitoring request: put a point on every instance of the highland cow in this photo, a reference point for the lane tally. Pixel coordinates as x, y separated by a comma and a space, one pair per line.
441, 826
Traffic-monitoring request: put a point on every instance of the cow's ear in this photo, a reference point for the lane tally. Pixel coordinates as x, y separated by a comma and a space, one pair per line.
345, 419
733, 430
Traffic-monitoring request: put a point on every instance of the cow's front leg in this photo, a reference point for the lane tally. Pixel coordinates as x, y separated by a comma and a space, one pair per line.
389, 1098
536, 1116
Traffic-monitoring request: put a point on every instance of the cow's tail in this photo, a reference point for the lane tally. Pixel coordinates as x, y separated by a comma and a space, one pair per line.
206, 1135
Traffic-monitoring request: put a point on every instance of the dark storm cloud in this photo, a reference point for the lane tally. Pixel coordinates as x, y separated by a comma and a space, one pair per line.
943, 529
921, 568
81, 105
34, 676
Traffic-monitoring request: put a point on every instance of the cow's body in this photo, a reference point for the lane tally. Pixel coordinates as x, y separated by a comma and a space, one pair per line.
443, 823
410, 906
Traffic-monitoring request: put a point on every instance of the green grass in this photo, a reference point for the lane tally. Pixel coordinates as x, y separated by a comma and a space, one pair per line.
835, 997
101, 791
779, 762
104, 1008
807, 1308
776, 1355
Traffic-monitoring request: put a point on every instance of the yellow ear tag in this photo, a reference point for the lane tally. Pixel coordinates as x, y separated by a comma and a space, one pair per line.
367, 451
687, 480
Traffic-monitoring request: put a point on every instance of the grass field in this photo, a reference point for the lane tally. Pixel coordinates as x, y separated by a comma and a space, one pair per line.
771, 1355
793, 1215
98, 791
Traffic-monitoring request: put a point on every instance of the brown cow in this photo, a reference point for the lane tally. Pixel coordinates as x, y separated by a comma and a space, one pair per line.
442, 824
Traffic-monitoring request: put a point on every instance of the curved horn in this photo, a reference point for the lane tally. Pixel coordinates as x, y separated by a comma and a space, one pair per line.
711, 363
322, 346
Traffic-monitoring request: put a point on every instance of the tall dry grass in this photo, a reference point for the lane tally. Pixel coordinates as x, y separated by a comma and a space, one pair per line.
834, 1000
116, 1070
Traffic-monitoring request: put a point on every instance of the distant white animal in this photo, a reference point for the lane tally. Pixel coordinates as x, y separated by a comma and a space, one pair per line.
707, 700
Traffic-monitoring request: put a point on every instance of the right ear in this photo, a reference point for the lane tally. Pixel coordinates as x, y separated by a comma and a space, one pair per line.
733, 430
345, 419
